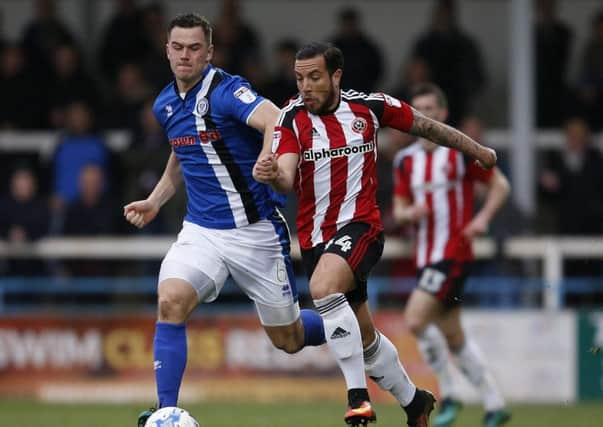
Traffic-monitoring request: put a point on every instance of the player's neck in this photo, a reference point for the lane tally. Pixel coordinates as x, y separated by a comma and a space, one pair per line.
184, 87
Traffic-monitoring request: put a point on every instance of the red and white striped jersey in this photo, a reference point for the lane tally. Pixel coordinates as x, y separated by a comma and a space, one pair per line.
443, 180
337, 180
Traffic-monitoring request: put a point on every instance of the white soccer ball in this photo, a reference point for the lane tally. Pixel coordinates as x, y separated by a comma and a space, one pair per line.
171, 416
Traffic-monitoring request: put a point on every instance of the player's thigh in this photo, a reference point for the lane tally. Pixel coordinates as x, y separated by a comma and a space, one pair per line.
346, 261
452, 329
331, 275
259, 260
421, 309
195, 259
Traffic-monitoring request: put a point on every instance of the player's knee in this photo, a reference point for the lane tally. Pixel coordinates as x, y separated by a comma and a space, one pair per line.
455, 340
416, 326
289, 345
323, 287
172, 308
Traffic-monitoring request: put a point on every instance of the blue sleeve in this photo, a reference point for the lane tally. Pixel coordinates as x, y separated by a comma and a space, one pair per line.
239, 100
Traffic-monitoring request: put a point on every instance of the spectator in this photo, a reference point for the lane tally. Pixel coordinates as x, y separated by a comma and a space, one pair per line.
155, 65
281, 84
22, 107
412, 74
130, 94
590, 83
363, 57
572, 182
42, 36
24, 217
454, 59
78, 146
71, 83
142, 165
123, 39
553, 43
234, 39
92, 213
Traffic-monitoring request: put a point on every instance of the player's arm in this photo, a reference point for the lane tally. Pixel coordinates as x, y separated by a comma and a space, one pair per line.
263, 119
405, 212
496, 195
448, 136
141, 212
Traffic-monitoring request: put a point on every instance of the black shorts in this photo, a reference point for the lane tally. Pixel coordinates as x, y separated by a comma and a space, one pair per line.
445, 280
360, 244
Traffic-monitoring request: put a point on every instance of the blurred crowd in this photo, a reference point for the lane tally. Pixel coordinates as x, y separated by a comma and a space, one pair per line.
49, 84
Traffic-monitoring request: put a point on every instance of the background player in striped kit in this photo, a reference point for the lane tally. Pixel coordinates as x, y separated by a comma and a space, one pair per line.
434, 189
214, 122
324, 145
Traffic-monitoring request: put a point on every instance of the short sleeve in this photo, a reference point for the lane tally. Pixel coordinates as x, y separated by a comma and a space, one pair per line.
284, 141
391, 111
239, 99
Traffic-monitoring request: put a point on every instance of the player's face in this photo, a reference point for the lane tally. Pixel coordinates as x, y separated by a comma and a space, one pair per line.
189, 53
320, 91
428, 106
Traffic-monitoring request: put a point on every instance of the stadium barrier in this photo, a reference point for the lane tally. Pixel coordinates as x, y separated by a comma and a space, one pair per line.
550, 251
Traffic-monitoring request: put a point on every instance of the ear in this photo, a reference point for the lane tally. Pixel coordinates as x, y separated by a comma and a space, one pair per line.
444, 115
167, 51
337, 77
210, 53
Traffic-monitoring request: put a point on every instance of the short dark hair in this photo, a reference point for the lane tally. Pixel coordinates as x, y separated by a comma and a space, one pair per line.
332, 55
192, 20
429, 89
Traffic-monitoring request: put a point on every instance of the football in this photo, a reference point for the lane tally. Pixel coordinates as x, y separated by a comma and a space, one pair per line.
171, 416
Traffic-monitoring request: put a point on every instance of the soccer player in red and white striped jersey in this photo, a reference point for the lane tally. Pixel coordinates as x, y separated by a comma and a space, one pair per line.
434, 189
324, 146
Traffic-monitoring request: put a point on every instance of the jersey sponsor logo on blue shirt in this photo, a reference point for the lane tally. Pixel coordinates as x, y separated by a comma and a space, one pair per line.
181, 141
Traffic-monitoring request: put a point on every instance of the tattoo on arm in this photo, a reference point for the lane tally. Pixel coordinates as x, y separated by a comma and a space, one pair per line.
443, 134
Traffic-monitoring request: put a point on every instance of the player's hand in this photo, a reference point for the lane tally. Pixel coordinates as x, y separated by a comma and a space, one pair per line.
417, 212
265, 169
141, 212
487, 158
476, 227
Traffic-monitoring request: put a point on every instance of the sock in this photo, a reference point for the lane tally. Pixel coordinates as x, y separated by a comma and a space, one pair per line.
314, 331
473, 366
342, 333
382, 364
434, 349
169, 354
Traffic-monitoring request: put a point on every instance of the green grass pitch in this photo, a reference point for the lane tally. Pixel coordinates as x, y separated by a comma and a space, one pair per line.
32, 414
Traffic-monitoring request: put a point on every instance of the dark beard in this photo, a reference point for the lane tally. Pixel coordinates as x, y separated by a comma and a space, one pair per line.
326, 107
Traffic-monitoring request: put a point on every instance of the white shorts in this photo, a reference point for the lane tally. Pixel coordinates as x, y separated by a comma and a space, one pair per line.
256, 256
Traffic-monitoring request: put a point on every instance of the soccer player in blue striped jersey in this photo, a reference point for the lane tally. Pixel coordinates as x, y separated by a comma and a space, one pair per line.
214, 122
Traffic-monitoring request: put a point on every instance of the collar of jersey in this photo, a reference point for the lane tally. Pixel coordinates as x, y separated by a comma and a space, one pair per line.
194, 88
